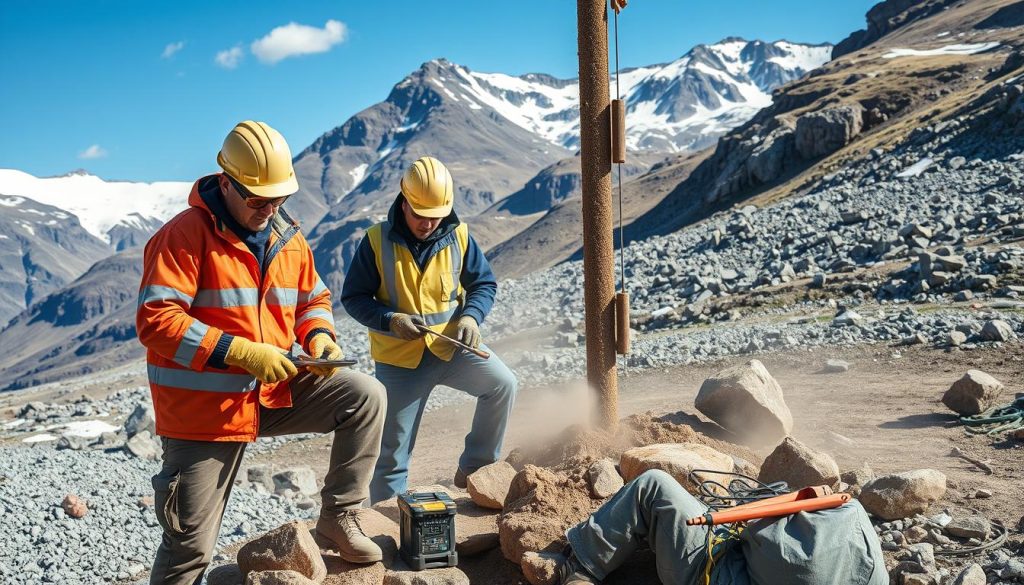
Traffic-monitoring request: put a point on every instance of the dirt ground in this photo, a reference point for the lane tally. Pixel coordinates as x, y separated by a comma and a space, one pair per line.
885, 411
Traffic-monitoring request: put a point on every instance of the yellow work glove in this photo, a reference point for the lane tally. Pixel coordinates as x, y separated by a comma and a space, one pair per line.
468, 332
323, 347
264, 361
404, 326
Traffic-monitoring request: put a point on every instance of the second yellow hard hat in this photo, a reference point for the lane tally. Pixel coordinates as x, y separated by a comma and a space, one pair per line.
428, 187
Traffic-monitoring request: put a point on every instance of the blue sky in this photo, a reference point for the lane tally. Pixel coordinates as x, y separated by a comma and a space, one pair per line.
135, 89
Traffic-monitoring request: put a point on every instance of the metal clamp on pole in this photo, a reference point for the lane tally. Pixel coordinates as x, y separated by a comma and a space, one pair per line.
618, 131
622, 323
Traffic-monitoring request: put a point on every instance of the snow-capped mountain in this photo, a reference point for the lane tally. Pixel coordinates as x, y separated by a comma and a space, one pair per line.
682, 105
496, 131
101, 205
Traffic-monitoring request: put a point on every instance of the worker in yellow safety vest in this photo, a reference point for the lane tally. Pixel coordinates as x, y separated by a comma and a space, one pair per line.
421, 270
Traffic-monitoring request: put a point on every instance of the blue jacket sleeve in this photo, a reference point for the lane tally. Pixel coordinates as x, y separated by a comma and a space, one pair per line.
479, 282
358, 293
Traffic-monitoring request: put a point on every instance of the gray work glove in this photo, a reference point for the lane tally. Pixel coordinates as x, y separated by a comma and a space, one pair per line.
404, 326
468, 332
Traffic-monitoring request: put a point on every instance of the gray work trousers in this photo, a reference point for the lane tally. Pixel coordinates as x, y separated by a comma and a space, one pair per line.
192, 488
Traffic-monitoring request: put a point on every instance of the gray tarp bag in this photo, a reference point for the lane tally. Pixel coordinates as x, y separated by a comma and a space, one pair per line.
828, 547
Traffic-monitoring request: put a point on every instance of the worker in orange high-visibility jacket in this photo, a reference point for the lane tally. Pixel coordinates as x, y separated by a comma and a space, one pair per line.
228, 287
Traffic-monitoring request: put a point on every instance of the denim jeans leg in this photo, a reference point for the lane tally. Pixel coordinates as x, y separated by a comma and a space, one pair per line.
407, 391
494, 387
653, 507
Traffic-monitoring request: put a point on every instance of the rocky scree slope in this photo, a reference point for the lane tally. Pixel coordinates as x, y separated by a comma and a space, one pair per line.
918, 74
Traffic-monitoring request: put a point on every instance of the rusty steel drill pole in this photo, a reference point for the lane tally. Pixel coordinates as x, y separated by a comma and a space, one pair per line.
598, 247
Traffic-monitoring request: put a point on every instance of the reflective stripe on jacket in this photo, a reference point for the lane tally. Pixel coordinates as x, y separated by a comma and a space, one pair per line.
200, 281
434, 293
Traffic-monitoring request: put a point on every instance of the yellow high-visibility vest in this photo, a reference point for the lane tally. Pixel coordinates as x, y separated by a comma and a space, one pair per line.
433, 293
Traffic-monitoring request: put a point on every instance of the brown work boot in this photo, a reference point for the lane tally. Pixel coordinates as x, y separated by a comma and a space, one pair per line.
345, 535
460, 479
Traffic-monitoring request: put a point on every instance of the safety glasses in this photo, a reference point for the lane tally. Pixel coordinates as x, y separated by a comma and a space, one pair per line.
254, 201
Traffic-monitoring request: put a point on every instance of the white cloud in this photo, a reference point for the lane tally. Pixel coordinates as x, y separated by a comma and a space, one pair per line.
229, 58
171, 49
298, 39
94, 151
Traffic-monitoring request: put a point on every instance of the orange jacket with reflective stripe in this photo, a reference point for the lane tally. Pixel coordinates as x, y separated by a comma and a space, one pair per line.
200, 281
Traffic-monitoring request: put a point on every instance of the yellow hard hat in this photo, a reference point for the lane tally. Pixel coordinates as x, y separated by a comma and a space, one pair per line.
428, 188
257, 156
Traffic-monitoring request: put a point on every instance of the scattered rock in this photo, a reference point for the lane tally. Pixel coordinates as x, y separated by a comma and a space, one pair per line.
969, 527
956, 338
982, 493
997, 330
799, 466
261, 474
541, 568
915, 534
848, 318
836, 366
74, 506
972, 575
141, 419
298, 479
144, 446
901, 495
974, 393
278, 578
746, 400
445, 576
489, 485
856, 478
72, 442
604, 479
288, 547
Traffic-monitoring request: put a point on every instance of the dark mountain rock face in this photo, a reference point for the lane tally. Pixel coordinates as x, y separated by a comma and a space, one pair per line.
87, 326
884, 18
41, 249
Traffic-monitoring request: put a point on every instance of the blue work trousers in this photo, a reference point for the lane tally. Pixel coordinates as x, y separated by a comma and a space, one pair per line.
651, 509
490, 381
829, 547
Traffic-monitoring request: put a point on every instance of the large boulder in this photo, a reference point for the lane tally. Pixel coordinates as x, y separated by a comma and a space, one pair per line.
799, 466
489, 485
678, 460
974, 393
824, 132
901, 495
289, 547
748, 401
